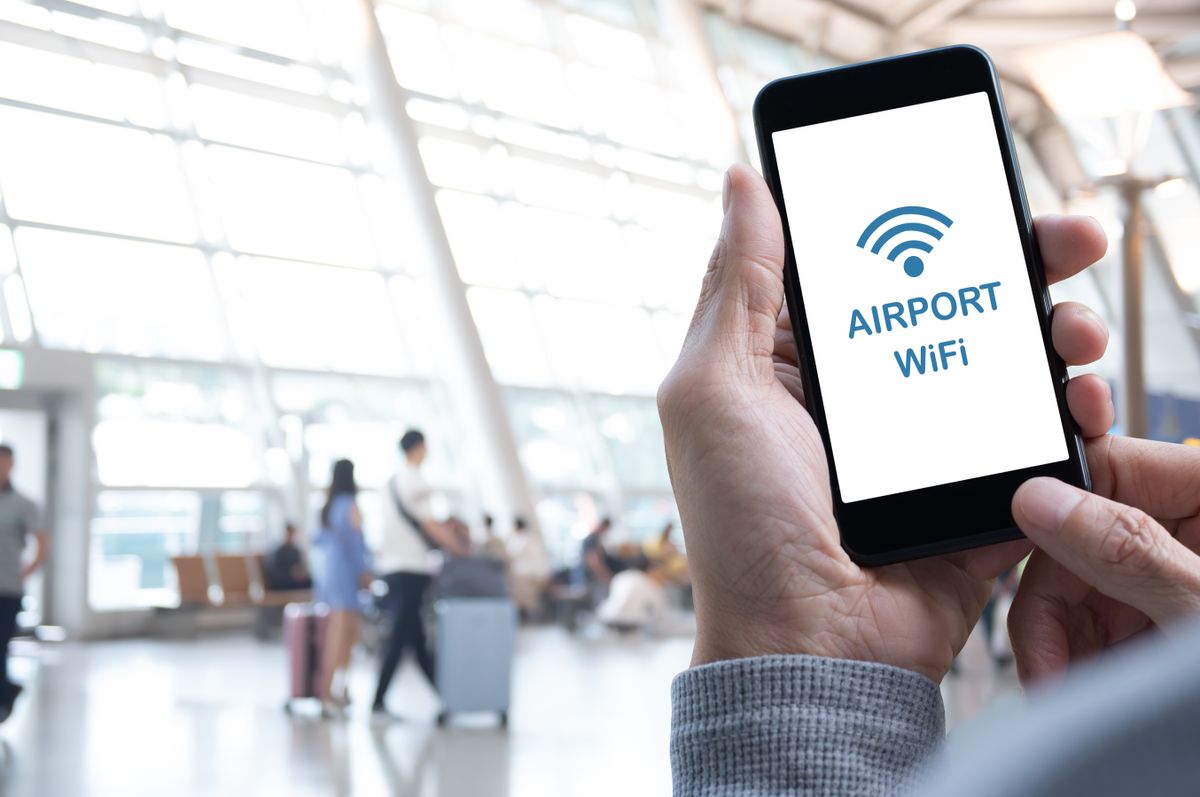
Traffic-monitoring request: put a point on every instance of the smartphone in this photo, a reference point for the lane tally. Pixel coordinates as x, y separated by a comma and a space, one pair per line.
917, 299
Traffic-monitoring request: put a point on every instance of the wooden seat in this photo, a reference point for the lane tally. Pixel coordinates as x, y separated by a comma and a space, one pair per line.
282, 597
192, 578
258, 572
234, 574
242, 584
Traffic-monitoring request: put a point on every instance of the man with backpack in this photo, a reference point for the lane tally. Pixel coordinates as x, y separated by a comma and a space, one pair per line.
406, 562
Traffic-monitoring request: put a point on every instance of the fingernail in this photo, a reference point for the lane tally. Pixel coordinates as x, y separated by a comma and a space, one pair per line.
1096, 321
1046, 502
725, 193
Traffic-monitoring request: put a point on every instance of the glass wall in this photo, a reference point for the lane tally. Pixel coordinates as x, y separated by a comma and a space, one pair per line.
205, 177
578, 176
189, 192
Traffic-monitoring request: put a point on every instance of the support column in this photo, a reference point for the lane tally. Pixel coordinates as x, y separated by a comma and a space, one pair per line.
478, 403
1134, 404
684, 19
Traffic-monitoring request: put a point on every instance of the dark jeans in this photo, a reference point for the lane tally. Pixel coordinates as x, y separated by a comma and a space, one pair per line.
10, 605
405, 596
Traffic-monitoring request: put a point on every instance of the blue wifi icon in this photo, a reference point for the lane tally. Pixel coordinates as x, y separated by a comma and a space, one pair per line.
907, 232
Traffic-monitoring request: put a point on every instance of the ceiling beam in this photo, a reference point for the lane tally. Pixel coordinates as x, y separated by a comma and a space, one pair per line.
1033, 17
931, 16
1018, 31
899, 43
861, 14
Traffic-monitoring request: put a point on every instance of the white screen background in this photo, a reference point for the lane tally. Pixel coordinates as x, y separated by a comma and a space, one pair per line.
892, 434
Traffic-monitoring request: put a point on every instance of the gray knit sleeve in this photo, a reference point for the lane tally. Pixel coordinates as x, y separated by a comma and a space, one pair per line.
801, 725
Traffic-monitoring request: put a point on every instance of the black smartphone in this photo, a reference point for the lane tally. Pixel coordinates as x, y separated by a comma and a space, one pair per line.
917, 298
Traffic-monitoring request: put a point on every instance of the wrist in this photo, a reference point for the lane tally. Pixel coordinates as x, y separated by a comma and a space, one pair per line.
745, 639
730, 641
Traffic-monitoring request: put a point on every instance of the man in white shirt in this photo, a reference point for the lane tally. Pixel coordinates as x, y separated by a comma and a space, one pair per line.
405, 560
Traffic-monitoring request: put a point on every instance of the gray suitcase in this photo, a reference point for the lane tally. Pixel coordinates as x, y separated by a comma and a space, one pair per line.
476, 638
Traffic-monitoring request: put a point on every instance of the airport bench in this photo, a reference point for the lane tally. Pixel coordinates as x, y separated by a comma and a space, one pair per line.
235, 581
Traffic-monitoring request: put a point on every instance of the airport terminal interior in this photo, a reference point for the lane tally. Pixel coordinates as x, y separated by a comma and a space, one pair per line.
244, 240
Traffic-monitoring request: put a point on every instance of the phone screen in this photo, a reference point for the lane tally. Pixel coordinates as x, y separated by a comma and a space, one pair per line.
922, 320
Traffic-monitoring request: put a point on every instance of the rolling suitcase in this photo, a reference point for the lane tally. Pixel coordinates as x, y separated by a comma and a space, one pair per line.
476, 638
304, 636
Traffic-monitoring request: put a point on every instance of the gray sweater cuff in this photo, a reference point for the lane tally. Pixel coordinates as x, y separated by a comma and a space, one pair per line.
802, 725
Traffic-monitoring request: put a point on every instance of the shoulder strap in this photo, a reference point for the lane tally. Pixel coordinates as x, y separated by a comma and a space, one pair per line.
409, 518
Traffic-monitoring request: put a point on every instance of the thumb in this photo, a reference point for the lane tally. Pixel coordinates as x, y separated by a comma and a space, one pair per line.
1117, 549
743, 288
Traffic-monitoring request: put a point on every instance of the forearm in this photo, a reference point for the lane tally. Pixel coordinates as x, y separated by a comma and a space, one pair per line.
442, 534
39, 557
801, 725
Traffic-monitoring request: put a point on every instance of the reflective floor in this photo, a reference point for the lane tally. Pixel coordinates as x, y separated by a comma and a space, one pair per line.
202, 717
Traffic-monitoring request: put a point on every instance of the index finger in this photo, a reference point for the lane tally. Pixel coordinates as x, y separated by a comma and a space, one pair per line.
1161, 479
1069, 244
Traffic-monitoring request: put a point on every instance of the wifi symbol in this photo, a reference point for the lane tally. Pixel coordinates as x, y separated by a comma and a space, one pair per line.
913, 264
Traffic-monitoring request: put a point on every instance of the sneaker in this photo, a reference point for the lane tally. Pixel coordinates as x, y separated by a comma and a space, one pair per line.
381, 716
332, 710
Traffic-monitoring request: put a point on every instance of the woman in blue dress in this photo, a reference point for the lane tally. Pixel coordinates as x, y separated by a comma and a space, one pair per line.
343, 570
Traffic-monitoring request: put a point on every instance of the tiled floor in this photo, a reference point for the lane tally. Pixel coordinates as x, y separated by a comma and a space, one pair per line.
204, 717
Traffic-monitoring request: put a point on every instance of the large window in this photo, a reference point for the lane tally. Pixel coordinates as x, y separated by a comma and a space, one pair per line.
578, 184
749, 58
195, 193
188, 190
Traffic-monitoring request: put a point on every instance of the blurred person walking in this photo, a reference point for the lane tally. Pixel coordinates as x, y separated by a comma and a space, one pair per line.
342, 572
20, 518
410, 535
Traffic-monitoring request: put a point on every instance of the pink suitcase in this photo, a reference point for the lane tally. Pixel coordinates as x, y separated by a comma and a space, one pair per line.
304, 636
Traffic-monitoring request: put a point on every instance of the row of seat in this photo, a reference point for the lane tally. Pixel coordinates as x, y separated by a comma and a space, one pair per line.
240, 580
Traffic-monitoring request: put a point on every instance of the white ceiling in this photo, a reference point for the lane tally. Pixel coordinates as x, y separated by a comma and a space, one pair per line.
855, 30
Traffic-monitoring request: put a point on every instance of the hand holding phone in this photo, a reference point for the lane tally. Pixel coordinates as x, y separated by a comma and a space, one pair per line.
750, 475
917, 295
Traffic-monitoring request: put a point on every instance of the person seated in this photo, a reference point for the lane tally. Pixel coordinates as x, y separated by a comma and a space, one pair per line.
628, 554
814, 676
284, 568
597, 563
528, 566
661, 551
493, 547
637, 600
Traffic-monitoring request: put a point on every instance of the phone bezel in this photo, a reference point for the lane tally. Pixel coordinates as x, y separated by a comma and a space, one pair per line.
958, 515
